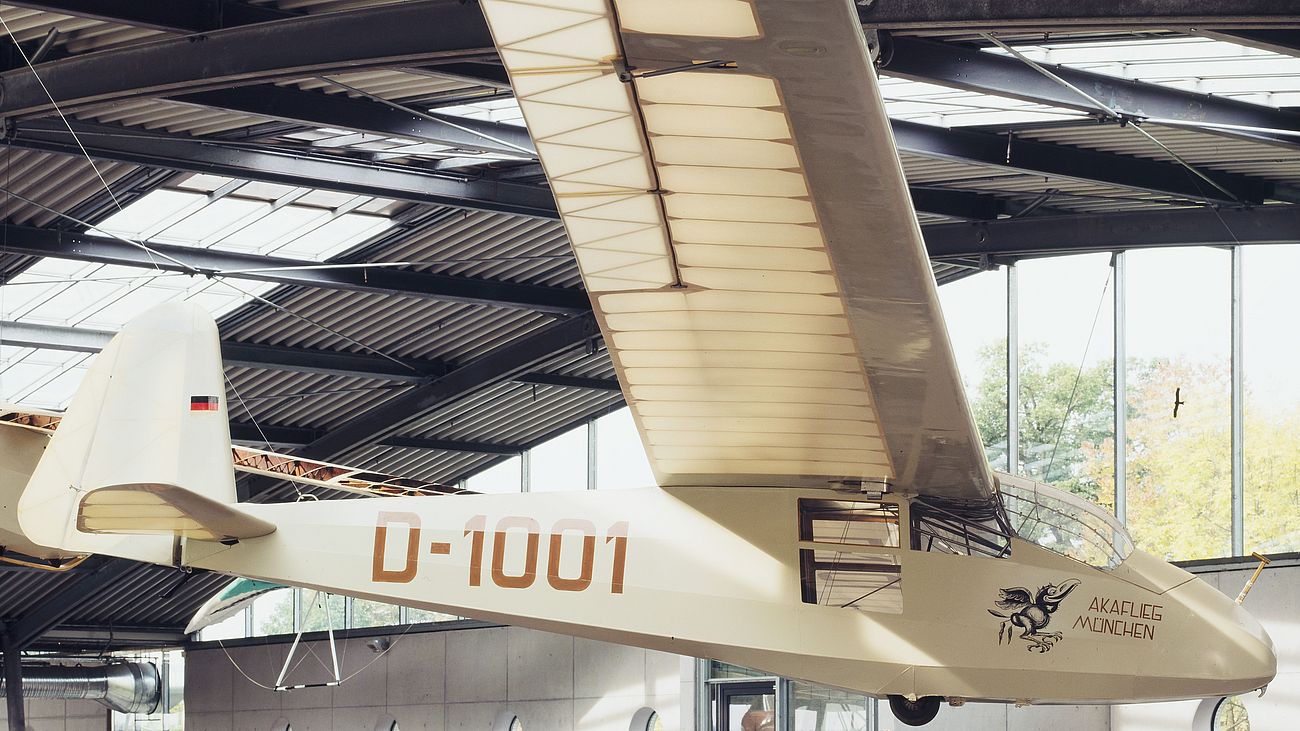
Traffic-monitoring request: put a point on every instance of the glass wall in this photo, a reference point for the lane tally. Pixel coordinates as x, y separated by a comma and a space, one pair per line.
560, 464
1066, 361
975, 309
1176, 330
621, 461
1179, 343
1270, 358
504, 476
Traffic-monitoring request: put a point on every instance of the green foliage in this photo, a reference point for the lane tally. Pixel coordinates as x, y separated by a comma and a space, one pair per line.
1060, 424
1179, 471
273, 613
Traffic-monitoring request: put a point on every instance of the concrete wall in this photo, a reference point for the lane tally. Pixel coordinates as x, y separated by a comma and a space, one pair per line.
52, 715
442, 681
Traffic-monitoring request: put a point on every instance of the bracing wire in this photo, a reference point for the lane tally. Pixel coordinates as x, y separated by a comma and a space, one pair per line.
1102, 107
63, 118
219, 276
531, 154
1078, 376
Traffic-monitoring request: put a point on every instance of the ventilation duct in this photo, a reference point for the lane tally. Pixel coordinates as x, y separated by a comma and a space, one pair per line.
132, 687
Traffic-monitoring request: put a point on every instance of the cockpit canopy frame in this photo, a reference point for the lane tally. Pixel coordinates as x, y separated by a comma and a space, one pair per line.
1064, 523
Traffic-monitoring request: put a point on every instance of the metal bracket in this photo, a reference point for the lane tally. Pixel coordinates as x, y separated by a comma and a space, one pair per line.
627, 74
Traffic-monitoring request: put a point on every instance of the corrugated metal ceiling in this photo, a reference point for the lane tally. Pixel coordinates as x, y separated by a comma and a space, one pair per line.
460, 243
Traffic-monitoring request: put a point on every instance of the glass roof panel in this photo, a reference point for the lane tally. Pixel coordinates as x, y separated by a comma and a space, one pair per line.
1198, 65
491, 110
227, 214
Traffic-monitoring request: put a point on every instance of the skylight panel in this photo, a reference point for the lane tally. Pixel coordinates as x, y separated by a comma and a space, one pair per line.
1193, 64
228, 214
32, 378
942, 106
148, 212
326, 199
206, 226
202, 182
272, 231
491, 110
335, 237
58, 390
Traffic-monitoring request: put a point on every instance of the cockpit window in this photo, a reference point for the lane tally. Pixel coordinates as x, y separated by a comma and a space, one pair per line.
848, 554
1064, 523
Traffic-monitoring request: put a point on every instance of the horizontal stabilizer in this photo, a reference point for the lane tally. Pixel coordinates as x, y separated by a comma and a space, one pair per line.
167, 510
228, 602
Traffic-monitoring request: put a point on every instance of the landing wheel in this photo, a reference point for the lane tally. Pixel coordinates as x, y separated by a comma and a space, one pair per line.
914, 713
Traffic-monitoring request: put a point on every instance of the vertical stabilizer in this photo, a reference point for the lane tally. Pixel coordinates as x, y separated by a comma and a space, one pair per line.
144, 447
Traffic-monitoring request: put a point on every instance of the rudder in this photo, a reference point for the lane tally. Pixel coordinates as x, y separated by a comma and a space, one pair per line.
144, 448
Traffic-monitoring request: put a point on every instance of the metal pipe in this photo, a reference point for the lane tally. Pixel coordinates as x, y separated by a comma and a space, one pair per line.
132, 687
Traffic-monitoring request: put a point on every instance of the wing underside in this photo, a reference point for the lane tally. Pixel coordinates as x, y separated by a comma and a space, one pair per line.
728, 179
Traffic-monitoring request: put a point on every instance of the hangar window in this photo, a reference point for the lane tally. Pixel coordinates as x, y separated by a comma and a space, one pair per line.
848, 554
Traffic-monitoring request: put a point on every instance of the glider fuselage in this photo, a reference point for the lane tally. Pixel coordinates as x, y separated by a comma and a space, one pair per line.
724, 574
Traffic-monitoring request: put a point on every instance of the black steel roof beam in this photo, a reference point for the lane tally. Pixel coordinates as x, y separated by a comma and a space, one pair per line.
519, 356
177, 16
381, 280
998, 151
1055, 235
290, 436
546, 437
235, 354
338, 110
1059, 17
968, 68
1285, 41
65, 602
563, 381
396, 34
303, 169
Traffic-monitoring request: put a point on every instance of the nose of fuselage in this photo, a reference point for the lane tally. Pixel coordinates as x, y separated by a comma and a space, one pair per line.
1234, 648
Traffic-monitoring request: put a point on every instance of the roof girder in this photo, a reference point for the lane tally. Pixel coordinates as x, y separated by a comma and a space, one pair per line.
1062, 161
266, 164
236, 354
337, 110
395, 34
176, 16
970, 69
1116, 231
210, 262
1058, 17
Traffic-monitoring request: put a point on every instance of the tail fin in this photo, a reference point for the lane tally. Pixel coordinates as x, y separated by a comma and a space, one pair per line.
143, 449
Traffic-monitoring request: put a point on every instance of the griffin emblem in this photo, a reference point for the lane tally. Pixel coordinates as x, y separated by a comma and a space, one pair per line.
1032, 613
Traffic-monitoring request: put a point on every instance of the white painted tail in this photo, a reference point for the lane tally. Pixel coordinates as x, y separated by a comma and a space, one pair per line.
144, 449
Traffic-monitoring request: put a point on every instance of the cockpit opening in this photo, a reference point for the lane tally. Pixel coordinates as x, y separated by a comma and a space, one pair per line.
1064, 523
